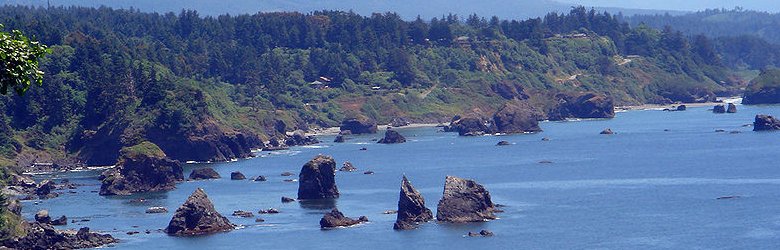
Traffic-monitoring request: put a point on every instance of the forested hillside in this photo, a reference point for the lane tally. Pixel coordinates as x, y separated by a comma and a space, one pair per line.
206, 88
746, 39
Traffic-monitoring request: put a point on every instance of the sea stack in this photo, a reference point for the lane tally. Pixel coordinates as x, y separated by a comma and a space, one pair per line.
337, 219
464, 201
392, 137
731, 109
317, 179
766, 123
516, 117
719, 109
197, 216
204, 174
141, 168
411, 208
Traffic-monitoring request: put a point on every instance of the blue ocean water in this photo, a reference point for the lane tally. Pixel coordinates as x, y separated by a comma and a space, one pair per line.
653, 185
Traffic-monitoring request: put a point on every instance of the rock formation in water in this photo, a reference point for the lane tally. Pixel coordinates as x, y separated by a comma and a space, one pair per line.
44, 236
142, 168
337, 219
411, 208
516, 117
469, 126
719, 109
317, 179
392, 137
766, 123
731, 108
43, 217
464, 201
204, 174
607, 132
583, 105
299, 138
359, 125
503, 143
339, 139
44, 190
347, 167
197, 216
237, 176
682, 107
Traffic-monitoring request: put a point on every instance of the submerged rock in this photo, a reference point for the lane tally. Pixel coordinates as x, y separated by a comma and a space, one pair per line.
464, 201
268, 211
63, 220
156, 210
337, 219
204, 174
607, 132
339, 139
347, 167
483, 233
392, 137
503, 143
44, 236
359, 125
317, 179
731, 108
141, 168
243, 214
237, 176
260, 178
411, 208
766, 123
287, 199
197, 216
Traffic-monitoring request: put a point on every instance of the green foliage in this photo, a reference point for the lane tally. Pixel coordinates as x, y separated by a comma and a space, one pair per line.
769, 78
19, 61
142, 149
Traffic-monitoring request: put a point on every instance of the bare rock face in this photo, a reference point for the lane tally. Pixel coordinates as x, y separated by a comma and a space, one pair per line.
719, 109
317, 179
44, 190
359, 125
607, 132
766, 123
204, 174
392, 137
516, 117
411, 208
299, 138
731, 108
469, 126
197, 216
583, 105
237, 176
464, 201
142, 168
44, 236
348, 167
337, 219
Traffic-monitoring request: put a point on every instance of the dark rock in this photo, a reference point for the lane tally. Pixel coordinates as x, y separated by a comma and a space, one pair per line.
545, 139
22, 181
363, 149
390, 212
287, 199
337, 219
133, 232
260, 178
44, 236
411, 208
483, 233
208, 142
237, 176
728, 197
766, 123
720, 130
464, 201
243, 214
469, 126
503, 143
197, 216
43, 217
545, 162
359, 125
60, 221
347, 167
136, 173
509, 90
682, 107
607, 132
583, 105
204, 174
339, 139
287, 174
345, 132
156, 210
289, 180
399, 122
516, 117
731, 108
719, 109
299, 138
45, 188
317, 179
269, 211
392, 137
368, 172
259, 220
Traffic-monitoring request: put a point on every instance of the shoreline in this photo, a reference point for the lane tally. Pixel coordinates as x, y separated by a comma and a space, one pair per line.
721, 100
380, 127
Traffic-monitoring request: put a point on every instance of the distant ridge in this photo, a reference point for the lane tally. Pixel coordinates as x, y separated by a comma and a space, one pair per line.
408, 9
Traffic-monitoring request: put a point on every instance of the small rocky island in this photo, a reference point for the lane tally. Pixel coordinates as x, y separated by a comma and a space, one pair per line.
411, 208
197, 216
766, 123
464, 201
317, 179
359, 125
141, 168
392, 137
335, 219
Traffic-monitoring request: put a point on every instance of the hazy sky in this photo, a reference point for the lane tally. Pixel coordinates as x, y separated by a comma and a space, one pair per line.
687, 5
